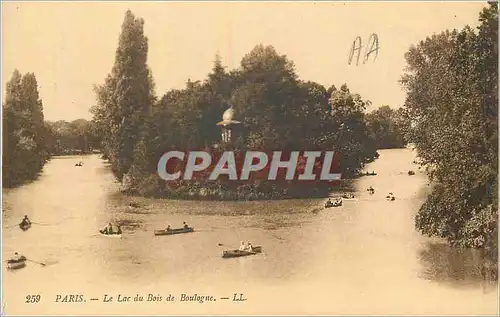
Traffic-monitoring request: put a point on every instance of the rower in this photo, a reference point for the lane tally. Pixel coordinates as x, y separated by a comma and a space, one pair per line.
249, 246
119, 229
18, 258
108, 229
25, 221
186, 226
242, 246
168, 228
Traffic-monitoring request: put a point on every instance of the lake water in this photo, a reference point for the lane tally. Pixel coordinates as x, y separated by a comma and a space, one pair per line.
362, 258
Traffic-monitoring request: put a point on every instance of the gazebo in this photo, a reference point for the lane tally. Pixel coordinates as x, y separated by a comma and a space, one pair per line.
228, 124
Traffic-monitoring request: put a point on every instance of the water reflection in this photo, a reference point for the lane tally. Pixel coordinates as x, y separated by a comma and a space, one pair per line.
456, 266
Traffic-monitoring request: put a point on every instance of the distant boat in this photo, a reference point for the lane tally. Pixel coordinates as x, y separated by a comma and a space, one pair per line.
111, 235
134, 204
173, 231
18, 263
24, 226
239, 253
348, 196
337, 203
15, 266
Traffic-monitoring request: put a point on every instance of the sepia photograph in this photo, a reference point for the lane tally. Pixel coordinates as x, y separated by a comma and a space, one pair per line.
249, 158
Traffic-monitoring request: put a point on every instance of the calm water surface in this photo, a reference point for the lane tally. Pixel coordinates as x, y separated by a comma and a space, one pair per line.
362, 258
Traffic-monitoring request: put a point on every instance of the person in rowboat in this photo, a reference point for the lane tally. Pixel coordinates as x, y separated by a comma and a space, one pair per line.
242, 246
18, 258
168, 228
186, 226
119, 229
249, 247
25, 221
108, 229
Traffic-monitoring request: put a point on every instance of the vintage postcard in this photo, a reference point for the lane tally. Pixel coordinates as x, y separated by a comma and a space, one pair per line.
249, 158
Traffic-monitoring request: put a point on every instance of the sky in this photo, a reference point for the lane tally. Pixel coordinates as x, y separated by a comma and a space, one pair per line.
71, 46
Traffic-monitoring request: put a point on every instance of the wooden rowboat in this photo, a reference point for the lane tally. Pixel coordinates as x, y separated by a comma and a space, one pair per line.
173, 231
14, 264
238, 253
24, 227
335, 204
111, 235
348, 196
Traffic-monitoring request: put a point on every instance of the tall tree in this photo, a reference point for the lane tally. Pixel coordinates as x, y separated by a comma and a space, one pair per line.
348, 130
265, 99
24, 151
124, 101
452, 98
36, 123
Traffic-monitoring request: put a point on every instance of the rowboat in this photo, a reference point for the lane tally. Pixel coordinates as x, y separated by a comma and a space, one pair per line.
111, 235
348, 196
173, 231
24, 226
14, 264
238, 253
335, 204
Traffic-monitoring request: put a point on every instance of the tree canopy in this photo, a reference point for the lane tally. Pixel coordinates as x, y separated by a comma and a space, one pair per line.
24, 152
386, 127
452, 117
124, 101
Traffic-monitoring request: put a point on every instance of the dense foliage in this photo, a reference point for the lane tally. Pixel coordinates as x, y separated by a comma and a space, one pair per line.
386, 127
68, 138
452, 114
24, 151
279, 112
124, 102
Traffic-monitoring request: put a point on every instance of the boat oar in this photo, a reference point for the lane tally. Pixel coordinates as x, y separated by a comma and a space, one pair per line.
41, 224
42, 264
